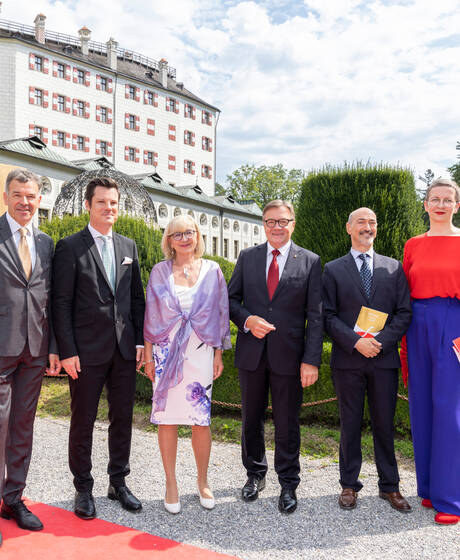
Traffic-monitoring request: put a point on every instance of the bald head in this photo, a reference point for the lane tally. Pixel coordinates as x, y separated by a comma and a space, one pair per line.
362, 228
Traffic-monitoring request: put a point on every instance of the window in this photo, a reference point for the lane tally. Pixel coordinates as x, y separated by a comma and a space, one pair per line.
132, 154
81, 77
38, 63
60, 70
131, 92
60, 139
206, 171
38, 97
38, 131
43, 215
188, 166
132, 122
214, 245
80, 108
150, 158
103, 83
225, 248
171, 104
80, 143
149, 97
103, 147
206, 117
103, 114
187, 137
189, 111
235, 250
206, 144
60, 103
205, 241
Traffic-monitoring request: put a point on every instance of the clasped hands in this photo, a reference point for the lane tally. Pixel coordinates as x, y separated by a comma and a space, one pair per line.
259, 327
368, 347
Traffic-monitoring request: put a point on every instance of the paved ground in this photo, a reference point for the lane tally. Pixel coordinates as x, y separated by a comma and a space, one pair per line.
257, 531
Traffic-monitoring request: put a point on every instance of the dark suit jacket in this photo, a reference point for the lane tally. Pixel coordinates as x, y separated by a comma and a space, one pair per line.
343, 297
297, 299
90, 319
24, 305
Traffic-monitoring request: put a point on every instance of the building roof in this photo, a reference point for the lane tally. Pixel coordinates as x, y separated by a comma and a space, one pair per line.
230, 203
129, 64
35, 147
91, 164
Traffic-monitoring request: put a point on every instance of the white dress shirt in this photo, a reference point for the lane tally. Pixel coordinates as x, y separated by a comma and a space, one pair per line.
281, 258
99, 240
369, 259
15, 227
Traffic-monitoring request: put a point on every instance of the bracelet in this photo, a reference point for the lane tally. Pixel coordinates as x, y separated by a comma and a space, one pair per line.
148, 362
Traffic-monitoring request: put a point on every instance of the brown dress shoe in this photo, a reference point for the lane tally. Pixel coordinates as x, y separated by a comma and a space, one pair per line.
348, 498
397, 501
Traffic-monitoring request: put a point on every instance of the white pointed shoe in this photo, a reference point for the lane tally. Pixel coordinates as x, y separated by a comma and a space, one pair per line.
207, 503
172, 508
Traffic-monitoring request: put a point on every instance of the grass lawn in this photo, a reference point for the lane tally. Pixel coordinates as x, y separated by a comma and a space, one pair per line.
316, 441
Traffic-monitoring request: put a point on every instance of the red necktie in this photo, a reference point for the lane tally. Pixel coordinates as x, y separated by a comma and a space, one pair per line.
273, 274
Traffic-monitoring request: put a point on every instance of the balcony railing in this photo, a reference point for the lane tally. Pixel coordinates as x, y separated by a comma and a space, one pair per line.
100, 48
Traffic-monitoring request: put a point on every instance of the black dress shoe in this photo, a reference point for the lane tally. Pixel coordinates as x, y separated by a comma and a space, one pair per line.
23, 516
84, 507
288, 500
251, 489
126, 498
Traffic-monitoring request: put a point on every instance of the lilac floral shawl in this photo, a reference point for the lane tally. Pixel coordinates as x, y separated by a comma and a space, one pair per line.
208, 317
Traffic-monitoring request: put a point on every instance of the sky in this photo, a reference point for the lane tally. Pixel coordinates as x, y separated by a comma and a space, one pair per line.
302, 83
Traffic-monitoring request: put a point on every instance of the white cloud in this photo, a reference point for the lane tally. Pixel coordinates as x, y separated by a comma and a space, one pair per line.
301, 83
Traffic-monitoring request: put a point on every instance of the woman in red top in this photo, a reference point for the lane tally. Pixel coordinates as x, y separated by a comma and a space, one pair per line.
432, 266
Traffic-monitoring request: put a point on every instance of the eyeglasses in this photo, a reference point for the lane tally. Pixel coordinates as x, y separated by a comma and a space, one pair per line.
282, 223
444, 202
179, 235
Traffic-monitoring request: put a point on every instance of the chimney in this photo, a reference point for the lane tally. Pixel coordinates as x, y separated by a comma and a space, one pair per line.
112, 46
40, 28
164, 72
85, 35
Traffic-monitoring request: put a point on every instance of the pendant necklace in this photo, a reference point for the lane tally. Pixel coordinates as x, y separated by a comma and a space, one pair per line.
186, 272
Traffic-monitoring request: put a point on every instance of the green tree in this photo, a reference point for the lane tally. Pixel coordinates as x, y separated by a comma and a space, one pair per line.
220, 190
330, 194
265, 183
454, 171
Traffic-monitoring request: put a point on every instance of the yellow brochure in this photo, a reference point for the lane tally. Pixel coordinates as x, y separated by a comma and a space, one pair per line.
370, 322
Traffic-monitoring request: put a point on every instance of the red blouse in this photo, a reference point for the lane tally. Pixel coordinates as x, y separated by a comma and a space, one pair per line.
432, 266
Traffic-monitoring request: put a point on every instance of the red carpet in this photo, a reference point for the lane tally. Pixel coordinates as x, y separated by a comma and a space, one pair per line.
66, 537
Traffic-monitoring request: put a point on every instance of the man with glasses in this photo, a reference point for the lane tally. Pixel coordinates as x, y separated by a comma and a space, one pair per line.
98, 312
274, 290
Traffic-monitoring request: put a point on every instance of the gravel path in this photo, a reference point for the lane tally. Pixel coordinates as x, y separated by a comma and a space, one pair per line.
256, 531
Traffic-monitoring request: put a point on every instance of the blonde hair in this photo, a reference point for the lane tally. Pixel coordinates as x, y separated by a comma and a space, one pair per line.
174, 225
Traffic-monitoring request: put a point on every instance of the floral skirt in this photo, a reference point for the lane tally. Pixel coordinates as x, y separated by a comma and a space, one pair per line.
189, 402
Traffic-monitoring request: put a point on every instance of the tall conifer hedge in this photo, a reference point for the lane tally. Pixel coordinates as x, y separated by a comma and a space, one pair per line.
331, 193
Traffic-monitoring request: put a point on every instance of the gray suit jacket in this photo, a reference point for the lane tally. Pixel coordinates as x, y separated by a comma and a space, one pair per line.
343, 297
24, 305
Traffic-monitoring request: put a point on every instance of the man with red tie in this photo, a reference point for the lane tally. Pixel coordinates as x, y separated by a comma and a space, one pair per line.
274, 290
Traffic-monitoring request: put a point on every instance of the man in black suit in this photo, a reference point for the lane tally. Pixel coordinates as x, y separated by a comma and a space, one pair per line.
26, 337
275, 288
359, 364
98, 310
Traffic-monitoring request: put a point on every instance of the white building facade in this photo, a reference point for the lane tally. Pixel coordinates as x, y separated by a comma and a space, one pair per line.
87, 99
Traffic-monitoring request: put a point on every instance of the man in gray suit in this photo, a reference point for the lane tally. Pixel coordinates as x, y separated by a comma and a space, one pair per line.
26, 339
363, 364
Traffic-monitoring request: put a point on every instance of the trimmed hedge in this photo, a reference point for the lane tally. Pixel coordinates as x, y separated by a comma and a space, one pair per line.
330, 194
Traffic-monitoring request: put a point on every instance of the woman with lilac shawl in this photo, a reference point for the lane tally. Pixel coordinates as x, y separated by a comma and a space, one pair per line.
186, 327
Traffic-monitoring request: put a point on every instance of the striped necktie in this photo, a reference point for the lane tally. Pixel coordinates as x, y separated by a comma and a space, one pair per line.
365, 273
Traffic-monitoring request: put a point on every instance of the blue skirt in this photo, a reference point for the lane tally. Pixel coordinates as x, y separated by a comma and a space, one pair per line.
434, 400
